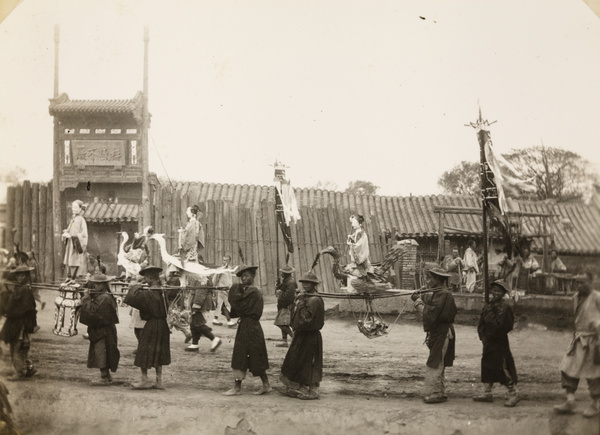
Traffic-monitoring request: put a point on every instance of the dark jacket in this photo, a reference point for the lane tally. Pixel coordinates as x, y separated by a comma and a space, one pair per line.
249, 349
100, 314
439, 311
18, 305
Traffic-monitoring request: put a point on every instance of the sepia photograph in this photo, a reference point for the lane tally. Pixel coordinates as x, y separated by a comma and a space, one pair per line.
299, 217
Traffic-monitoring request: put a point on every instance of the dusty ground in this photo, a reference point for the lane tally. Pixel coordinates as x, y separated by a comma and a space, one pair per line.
369, 386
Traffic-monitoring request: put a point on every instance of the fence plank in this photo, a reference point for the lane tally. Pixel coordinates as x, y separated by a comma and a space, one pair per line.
18, 216
49, 269
10, 217
35, 217
42, 253
26, 233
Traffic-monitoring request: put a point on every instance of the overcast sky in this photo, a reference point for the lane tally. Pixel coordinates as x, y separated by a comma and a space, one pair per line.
337, 90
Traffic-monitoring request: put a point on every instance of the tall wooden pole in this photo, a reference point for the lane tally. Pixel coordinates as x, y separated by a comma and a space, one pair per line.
146, 206
483, 137
56, 199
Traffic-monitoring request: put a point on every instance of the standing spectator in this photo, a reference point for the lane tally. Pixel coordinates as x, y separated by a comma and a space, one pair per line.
249, 349
223, 283
76, 240
557, 266
497, 363
528, 268
454, 265
438, 310
302, 369
99, 311
154, 342
583, 355
471, 266
285, 293
18, 305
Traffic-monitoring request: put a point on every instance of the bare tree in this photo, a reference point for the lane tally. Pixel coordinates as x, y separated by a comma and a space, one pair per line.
558, 174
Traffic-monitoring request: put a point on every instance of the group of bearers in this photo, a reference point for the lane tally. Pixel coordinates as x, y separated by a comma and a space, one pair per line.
582, 359
302, 368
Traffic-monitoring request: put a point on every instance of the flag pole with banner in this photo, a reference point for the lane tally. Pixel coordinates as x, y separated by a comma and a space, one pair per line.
489, 192
286, 211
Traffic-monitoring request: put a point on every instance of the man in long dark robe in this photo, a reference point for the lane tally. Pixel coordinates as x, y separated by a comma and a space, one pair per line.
154, 344
286, 293
18, 305
249, 349
99, 311
497, 363
438, 310
302, 369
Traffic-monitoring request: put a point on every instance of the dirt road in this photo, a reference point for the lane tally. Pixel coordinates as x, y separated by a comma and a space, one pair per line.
370, 386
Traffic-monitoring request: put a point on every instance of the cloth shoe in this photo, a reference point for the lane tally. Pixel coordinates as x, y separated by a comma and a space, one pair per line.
566, 408
192, 348
142, 385
158, 385
485, 397
313, 394
103, 382
512, 400
217, 322
284, 344
592, 410
231, 323
436, 398
215, 344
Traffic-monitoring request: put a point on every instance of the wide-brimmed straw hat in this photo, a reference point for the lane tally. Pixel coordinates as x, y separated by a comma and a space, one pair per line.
244, 267
22, 269
436, 270
99, 277
502, 284
287, 269
310, 277
149, 269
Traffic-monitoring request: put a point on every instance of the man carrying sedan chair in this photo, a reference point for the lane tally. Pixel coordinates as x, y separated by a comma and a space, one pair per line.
438, 310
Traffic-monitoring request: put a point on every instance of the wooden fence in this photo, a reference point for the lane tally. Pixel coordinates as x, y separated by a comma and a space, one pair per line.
231, 224
251, 226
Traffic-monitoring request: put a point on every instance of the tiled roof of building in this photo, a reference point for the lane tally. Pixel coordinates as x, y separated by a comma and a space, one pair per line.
62, 105
576, 227
101, 212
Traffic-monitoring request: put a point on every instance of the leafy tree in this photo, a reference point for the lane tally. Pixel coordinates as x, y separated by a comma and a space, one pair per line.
361, 187
462, 179
559, 174
12, 175
325, 185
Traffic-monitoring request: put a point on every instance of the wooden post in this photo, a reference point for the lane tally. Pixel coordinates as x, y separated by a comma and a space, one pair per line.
441, 236
482, 136
50, 269
146, 206
57, 210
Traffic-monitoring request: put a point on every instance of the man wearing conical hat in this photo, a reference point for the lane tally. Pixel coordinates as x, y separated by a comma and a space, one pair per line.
302, 369
154, 343
249, 348
99, 311
18, 305
285, 293
438, 310
497, 363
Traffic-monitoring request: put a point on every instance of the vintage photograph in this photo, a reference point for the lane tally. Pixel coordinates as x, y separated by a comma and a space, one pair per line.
299, 217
